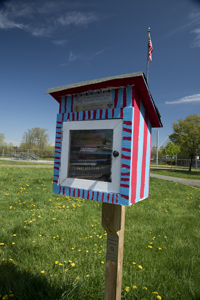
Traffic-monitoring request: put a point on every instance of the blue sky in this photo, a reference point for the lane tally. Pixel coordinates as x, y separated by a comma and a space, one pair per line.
45, 44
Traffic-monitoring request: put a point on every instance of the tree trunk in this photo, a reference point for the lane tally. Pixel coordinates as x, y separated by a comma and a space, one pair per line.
191, 158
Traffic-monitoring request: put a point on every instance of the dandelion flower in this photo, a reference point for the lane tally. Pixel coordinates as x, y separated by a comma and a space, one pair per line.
42, 272
150, 247
159, 248
102, 262
134, 287
14, 234
13, 243
1, 244
70, 261
140, 267
73, 264
145, 288
155, 293
158, 297
10, 260
127, 289
134, 263
77, 278
87, 275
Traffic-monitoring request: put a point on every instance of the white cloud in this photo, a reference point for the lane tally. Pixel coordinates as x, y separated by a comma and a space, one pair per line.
46, 19
77, 18
189, 99
72, 57
60, 42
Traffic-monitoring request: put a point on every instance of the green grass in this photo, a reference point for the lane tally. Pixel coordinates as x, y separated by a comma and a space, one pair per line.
15, 162
54, 247
178, 173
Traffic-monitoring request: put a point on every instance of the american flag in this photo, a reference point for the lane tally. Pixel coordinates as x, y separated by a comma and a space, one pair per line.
150, 47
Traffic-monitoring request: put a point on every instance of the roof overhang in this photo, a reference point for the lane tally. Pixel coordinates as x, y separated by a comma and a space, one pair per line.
137, 79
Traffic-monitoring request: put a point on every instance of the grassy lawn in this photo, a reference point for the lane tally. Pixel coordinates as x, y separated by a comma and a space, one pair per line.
15, 162
54, 247
178, 173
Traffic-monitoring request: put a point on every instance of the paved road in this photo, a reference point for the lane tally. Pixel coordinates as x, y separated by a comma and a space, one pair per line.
176, 179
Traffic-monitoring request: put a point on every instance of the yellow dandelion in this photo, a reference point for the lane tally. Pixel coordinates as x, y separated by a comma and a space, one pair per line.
13, 243
87, 275
134, 263
155, 293
1, 244
73, 264
140, 267
102, 262
69, 261
159, 248
127, 289
134, 287
145, 288
159, 298
150, 247
42, 272
14, 234
10, 260
60, 264
77, 278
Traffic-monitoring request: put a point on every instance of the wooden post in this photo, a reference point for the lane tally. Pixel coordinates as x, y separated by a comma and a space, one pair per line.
113, 221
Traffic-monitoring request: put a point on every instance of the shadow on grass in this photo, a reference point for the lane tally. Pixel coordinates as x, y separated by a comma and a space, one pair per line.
26, 286
173, 171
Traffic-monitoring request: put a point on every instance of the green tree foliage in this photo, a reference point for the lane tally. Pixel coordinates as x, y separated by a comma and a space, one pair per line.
171, 150
187, 135
35, 138
2, 138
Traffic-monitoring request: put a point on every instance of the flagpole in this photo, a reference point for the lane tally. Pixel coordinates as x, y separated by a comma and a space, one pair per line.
148, 54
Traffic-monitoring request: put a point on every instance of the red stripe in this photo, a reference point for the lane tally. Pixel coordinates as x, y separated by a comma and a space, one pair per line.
127, 130
58, 137
72, 103
116, 198
88, 195
126, 149
101, 114
58, 132
59, 106
108, 198
125, 166
124, 185
57, 163
63, 191
106, 114
57, 147
68, 116
144, 156
89, 114
56, 181
112, 198
113, 113
59, 122
94, 114
102, 197
124, 97
83, 115
121, 113
73, 116
127, 138
124, 179
127, 123
125, 156
124, 196
125, 174
150, 161
56, 168
56, 175
116, 97
136, 104
65, 104
83, 194
58, 127
56, 157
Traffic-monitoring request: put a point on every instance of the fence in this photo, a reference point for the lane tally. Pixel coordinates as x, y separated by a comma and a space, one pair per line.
27, 154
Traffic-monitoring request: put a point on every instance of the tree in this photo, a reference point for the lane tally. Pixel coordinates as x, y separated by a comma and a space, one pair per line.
171, 150
187, 135
35, 138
